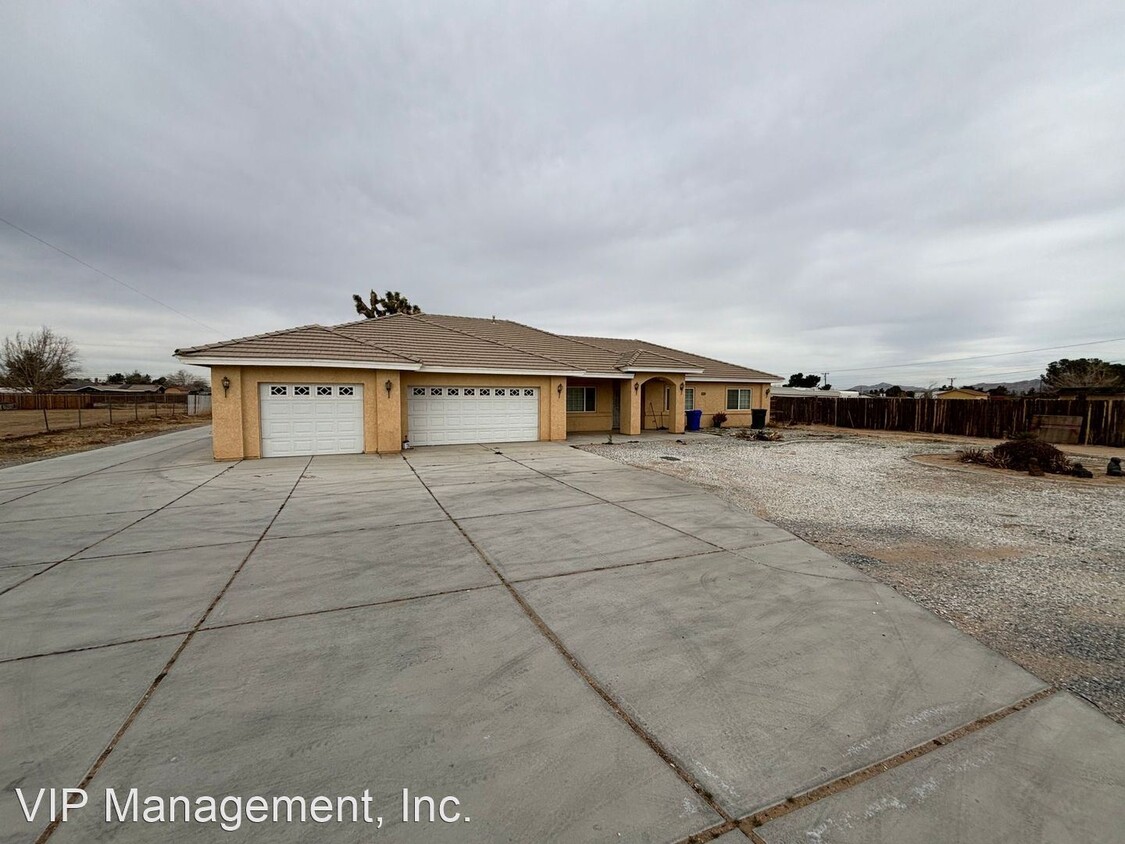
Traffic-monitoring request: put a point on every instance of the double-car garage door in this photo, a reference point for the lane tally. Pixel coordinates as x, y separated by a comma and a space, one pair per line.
328, 418
447, 415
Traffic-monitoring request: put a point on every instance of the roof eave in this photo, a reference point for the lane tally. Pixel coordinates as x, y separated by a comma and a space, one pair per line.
323, 363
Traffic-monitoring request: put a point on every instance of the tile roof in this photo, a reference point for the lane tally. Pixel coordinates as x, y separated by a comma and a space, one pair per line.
306, 342
436, 341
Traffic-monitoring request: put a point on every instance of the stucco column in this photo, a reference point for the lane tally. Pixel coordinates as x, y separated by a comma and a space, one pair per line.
387, 410
557, 410
676, 423
630, 408
226, 414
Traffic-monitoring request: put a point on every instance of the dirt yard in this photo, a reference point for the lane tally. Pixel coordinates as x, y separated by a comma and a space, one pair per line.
20, 422
23, 448
1033, 567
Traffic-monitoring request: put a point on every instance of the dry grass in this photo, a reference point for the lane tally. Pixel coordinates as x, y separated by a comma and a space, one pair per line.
17, 423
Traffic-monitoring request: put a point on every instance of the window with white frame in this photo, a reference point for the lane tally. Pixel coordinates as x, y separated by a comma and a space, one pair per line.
738, 399
580, 399
689, 398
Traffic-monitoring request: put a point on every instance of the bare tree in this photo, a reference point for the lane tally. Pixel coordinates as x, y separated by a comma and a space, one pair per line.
1083, 374
41, 362
392, 302
183, 378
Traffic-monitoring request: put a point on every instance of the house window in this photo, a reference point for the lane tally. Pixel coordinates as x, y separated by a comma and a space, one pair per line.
738, 399
580, 399
689, 398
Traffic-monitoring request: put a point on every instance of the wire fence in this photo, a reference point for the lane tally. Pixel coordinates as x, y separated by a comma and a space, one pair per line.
27, 413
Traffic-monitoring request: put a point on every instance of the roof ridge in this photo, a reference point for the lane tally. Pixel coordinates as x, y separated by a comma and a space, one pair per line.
580, 340
332, 330
248, 337
693, 354
568, 364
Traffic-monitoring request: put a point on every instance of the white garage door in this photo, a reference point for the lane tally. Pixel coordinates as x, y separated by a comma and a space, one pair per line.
311, 419
446, 415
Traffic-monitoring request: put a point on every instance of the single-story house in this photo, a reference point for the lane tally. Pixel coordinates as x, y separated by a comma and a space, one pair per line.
814, 392
962, 393
369, 386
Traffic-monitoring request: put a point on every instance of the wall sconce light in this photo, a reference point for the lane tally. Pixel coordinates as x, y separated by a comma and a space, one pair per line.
226, 385
681, 386
387, 386
636, 388
559, 389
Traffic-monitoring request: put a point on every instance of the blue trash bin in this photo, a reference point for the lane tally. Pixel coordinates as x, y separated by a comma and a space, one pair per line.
694, 419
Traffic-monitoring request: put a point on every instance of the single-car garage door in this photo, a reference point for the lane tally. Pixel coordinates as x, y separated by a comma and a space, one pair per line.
446, 415
311, 419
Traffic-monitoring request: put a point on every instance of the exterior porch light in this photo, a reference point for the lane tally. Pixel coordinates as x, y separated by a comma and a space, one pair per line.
636, 388
681, 386
387, 386
559, 390
226, 385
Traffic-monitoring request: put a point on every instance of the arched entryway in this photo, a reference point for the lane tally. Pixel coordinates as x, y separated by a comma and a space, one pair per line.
661, 404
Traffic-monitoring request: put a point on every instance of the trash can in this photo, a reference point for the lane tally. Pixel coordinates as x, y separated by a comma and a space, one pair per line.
758, 418
694, 420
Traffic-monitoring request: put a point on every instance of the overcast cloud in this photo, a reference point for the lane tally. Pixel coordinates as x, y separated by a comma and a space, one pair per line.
813, 186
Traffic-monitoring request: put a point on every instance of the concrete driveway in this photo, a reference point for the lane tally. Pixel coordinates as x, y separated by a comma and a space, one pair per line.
574, 650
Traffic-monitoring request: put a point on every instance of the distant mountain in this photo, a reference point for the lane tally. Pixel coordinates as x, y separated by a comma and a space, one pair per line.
1013, 386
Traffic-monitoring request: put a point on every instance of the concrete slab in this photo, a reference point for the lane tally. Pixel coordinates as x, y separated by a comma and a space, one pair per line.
710, 519
433, 455
359, 486
565, 463
764, 684
799, 557
57, 713
314, 514
304, 574
11, 575
49, 540
574, 539
464, 501
94, 602
189, 527
455, 695
96, 495
1050, 773
618, 484
458, 473
16, 491
735, 836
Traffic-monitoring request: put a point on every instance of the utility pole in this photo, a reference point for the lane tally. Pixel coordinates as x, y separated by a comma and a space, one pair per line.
824, 383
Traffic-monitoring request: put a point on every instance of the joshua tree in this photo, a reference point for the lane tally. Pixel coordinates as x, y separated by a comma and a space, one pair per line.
392, 302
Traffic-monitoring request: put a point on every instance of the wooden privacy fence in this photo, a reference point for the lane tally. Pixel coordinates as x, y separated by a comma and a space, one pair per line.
87, 401
1102, 422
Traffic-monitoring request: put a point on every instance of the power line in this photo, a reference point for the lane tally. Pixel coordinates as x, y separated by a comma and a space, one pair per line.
107, 275
978, 357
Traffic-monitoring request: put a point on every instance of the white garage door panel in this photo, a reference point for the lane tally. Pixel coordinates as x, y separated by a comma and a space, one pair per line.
449, 415
311, 419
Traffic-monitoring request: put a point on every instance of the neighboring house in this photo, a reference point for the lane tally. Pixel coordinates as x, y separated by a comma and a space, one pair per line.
962, 393
103, 387
368, 386
814, 392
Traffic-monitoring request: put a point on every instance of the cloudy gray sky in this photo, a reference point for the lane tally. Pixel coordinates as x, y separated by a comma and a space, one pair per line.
813, 186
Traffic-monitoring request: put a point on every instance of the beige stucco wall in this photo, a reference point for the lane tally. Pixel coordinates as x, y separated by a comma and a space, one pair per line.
235, 419
237, 431
711, 398
601, 418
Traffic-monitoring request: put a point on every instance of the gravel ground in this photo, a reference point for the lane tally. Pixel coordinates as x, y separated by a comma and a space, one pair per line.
1033, 568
